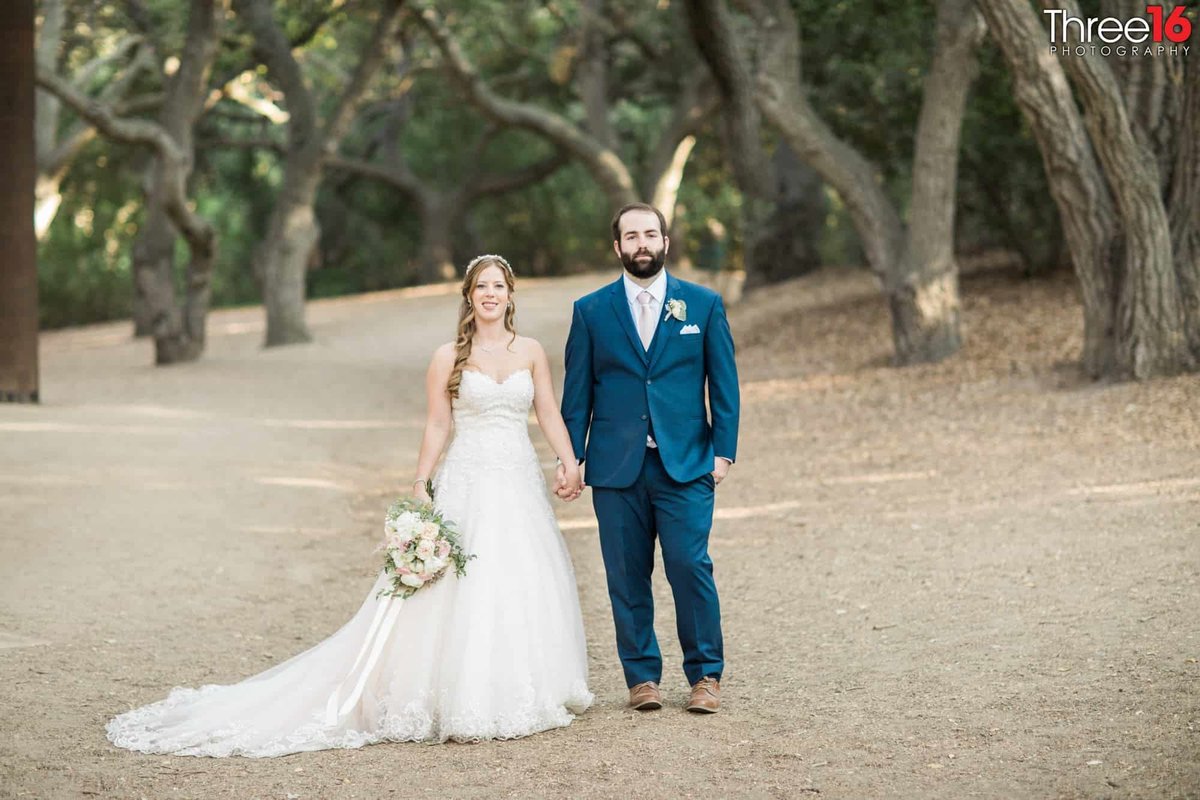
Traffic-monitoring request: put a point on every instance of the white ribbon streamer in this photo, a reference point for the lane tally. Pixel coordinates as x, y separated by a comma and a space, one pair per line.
377, 635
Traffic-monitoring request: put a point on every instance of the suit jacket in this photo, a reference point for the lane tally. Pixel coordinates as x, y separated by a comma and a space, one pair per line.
616, 391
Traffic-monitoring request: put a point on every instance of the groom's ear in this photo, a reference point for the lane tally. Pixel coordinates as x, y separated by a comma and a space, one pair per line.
666, 244
617, 248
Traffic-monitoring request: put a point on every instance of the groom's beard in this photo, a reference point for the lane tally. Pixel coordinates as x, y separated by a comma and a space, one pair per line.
644, 269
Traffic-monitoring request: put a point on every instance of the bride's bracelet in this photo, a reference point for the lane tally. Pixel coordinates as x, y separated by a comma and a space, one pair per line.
422, 481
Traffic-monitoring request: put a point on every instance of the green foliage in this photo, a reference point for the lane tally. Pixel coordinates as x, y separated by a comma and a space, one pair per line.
1004, 199
84, 269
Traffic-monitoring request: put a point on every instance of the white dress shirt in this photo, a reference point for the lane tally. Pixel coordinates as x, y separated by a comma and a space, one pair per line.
658, 295
658, 292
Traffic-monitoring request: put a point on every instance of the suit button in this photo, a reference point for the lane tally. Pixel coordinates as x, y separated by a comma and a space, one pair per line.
647, 383
643, 416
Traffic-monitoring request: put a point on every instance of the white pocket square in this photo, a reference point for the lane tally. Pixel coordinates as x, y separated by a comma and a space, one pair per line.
689, 329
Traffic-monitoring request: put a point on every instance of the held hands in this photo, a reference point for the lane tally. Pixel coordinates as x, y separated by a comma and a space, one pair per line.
568, 482
720, 469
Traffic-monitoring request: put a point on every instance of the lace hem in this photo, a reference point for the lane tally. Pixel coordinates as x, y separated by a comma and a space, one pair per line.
138, 729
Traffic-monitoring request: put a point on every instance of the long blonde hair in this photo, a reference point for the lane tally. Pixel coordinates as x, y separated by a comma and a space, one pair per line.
466, 315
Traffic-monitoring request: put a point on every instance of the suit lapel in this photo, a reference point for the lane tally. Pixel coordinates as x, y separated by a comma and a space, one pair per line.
620, 305
668, 326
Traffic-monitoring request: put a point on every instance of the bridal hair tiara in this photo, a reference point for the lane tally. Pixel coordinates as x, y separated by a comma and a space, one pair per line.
490, 257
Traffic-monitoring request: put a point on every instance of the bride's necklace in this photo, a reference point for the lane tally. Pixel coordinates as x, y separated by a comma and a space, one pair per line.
485, 348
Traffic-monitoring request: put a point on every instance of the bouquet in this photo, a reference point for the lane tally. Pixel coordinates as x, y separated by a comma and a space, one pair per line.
419, 546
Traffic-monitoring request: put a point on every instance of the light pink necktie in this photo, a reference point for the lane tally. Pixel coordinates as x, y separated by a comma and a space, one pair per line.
645, 320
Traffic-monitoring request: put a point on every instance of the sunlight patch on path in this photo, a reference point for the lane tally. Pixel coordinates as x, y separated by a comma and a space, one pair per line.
305, 483
1137, 487
10, 641
340, 424
75, 427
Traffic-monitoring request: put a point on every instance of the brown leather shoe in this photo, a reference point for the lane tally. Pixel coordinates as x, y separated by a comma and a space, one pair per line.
645, 697
706, 696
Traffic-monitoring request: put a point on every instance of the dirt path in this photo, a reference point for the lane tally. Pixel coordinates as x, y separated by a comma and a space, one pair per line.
975, 579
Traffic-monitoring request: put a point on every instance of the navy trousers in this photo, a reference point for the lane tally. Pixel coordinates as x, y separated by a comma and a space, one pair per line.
680, 516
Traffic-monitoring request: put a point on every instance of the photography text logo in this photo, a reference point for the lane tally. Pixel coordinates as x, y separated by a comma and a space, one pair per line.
1160, 32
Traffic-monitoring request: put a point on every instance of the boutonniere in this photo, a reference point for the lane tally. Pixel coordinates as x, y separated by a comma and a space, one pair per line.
676, 309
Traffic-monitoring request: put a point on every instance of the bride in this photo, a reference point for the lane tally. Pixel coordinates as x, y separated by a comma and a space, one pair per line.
496, 654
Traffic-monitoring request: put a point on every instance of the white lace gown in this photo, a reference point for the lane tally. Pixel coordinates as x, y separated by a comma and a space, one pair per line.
496, 654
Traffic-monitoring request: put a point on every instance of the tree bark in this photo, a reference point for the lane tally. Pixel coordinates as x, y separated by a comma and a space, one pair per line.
1150, 335
1184, 202
1132, 243
697, 101
593, 74
18, 268
282, 259
788, 244
915, 265
179, 332
725, 53
196, 231
1079, 189
782, 99
923, 293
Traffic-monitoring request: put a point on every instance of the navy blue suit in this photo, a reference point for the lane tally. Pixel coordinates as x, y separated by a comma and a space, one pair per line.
615, 393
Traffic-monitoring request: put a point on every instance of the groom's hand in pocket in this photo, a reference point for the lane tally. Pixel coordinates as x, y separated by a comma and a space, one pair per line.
720, 468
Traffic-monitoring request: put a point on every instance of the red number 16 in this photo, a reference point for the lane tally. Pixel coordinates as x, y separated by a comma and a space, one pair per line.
1178, 27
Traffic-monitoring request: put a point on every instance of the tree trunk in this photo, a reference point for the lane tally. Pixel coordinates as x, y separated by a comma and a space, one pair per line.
176, 163
1150, 335
593, 75
1184, 202
923, 291
292, 234
788, 244
179, 334
725, 54
1090, 224
783, 101
439, 218
18, 157
695, 104
665, 194
1133, 249
286, 251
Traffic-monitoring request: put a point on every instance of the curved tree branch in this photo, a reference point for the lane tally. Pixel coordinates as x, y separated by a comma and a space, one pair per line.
605, 165
198, 232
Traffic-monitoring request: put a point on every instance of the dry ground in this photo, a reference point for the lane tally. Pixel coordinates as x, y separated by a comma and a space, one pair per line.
977, 579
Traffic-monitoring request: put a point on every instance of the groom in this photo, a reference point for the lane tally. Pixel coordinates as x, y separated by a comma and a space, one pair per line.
640, 354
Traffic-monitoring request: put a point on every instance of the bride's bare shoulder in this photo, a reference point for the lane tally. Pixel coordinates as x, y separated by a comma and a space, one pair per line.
443, 356
528, 346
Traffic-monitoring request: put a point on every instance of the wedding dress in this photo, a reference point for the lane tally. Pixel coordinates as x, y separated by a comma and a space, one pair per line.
496, 654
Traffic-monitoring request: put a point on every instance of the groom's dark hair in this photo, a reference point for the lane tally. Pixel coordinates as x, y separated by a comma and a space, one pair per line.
616, 220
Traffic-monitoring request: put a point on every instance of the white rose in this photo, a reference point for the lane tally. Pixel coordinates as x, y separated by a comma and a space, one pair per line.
429, 531
434, 564
425, 549
390, 526
415, 581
